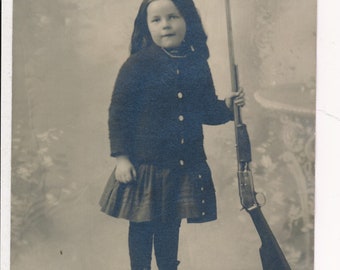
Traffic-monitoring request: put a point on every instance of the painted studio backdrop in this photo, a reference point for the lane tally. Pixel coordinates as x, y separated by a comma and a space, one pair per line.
66, 57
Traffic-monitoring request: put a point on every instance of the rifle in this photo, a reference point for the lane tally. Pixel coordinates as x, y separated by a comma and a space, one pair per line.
272, 257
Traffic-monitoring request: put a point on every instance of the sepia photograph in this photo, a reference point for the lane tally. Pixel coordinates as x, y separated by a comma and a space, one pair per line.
163, 134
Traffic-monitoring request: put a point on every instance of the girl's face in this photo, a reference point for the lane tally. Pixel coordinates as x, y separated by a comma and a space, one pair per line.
166, 25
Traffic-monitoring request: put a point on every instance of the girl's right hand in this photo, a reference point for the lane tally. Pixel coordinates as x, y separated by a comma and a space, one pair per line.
125, 171
237, 98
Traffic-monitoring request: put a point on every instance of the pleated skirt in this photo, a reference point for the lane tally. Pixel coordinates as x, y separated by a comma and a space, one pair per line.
162, 194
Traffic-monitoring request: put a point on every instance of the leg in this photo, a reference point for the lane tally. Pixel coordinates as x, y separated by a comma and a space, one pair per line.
166, 240
140, 245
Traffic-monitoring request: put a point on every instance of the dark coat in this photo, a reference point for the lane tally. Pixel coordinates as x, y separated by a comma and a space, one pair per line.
158, 107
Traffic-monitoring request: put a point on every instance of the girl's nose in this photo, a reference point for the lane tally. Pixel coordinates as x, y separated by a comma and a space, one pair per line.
166, 24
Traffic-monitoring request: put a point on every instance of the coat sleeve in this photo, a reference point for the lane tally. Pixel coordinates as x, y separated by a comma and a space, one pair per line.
216, 111
122, 109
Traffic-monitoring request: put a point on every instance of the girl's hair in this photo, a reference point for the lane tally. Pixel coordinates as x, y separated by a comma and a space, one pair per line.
195, 35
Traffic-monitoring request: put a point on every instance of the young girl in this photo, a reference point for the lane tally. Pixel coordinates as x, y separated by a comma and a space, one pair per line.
162, 96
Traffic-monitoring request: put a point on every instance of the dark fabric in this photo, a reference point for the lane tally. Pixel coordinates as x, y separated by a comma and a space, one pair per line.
140, 245
162, 194
165, 237
158, 107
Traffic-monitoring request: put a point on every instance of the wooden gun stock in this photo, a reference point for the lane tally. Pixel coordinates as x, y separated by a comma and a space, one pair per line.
271, 254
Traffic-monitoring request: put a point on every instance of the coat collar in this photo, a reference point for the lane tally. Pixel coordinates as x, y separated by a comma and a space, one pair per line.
154, 51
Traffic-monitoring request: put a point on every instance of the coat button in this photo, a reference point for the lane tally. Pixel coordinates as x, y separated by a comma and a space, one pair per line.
200, 176
202, 188
180, 95
177, 71
181, 162
203, 213
181, 118
203, 201
182, 141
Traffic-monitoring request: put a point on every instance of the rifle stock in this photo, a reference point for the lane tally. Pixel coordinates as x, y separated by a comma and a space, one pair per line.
272, 257
271, 254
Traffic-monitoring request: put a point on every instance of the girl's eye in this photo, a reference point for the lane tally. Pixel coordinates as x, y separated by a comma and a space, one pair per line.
155, 20
173, 17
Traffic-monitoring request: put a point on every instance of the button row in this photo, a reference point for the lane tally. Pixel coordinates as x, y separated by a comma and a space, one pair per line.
180, 118
202, 189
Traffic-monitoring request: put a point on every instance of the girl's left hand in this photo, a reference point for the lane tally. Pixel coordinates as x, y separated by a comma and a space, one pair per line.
236, 97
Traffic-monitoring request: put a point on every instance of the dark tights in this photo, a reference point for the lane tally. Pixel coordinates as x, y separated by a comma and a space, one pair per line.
165, 238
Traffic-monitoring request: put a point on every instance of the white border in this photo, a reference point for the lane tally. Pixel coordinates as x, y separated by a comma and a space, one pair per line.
327, 232
6, 102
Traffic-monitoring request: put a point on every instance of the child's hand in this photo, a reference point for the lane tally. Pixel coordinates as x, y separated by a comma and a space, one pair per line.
125, 171
237, 98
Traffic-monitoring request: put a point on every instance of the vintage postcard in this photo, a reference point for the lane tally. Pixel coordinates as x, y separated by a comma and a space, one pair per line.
67, 63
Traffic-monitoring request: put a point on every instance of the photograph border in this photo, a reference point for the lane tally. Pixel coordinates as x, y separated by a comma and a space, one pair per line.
327, 192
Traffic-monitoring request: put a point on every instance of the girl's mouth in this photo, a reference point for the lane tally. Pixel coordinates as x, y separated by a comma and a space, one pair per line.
168, 35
